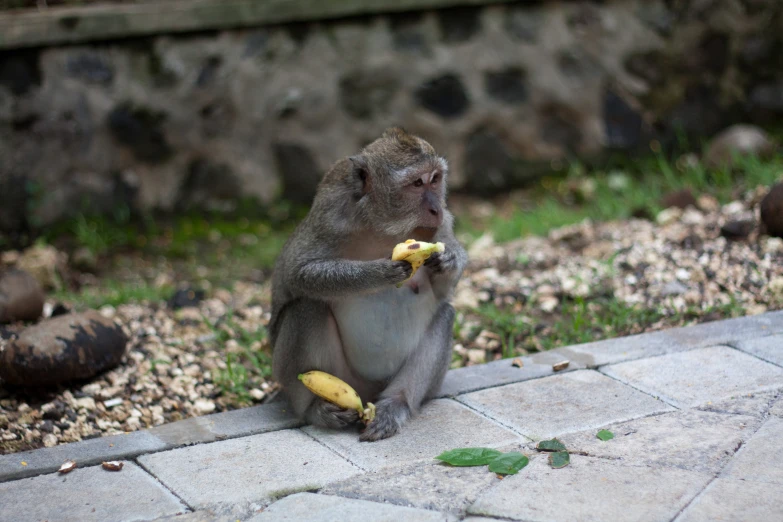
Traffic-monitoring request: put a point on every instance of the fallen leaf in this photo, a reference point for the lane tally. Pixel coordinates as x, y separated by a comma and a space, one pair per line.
468, 456
605, 435
508, 463
24, 463
114, 465
517, 362
67, 466
559, 459
551, 445
562, 365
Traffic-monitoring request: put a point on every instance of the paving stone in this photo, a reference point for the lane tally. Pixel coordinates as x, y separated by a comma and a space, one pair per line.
628, 348
777, 407
247, 471
323, 508
498, 373
699, 376
436, 486
231, 424
442, 425
735, 500
88, 494
85, 453
691, 439
591, 489
563, 403
757, 404
761, 459
769, 348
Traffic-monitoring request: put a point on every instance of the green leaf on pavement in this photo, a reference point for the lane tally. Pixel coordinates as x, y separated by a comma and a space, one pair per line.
605, 435
508, 463
551, 445
469, 456
559, 459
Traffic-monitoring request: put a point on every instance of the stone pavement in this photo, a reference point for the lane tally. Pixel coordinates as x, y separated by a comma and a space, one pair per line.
697, 415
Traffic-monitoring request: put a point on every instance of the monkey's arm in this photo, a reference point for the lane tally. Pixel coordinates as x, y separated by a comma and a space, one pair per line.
333, 278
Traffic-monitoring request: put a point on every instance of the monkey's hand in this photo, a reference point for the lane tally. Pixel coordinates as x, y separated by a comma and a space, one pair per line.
390, 414
397, 271
328, 415
440, 262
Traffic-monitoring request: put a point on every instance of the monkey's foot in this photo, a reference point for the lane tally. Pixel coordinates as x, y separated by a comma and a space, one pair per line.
390, 415
328, 415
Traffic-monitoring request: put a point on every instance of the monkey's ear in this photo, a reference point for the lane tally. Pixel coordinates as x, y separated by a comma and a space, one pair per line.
361, 170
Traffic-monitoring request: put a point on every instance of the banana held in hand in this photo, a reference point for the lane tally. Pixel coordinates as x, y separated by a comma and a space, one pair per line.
338, 392
415, 253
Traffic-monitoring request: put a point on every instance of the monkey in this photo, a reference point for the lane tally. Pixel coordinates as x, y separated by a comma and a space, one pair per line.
336, 304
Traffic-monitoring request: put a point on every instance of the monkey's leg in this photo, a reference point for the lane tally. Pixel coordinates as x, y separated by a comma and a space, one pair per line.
418, 379
308, 339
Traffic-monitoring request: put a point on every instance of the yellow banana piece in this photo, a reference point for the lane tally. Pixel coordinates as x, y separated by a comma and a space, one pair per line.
415, 253
337, 391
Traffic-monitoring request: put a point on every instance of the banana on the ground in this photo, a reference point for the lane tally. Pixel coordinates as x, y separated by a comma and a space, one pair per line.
415, 253
337, 391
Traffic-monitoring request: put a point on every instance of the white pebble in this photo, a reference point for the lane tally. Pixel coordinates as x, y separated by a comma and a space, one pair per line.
50, 440
203, 406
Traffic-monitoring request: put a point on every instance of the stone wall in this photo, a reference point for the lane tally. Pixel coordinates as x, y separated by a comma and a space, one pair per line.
169, 122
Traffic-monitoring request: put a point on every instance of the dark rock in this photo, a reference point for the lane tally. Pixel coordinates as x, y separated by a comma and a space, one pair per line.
141, 130
692, 242
47, 426
408, 34
208, 72
186, 297
507, 86
642, 213
559, 125
738, 140
208, 185
56, 413
444, 95
737, 230
681, 199
90, 68
60, 309
366, 93
21, 297
20, 70
488, 165
772, 211
623, 125
66, 348
299, 172
459, 24
523, 23
14, 200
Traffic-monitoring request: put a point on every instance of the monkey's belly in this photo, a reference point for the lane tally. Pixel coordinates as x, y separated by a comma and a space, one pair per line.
380, 330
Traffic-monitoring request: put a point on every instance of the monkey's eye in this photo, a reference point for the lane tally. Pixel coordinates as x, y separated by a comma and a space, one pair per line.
362, 174
418, 183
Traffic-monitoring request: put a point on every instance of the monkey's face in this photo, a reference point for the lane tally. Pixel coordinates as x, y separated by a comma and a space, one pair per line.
401, 184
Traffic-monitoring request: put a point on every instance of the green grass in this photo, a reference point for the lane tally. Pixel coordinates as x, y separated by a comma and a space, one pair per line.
647, 181
245, 369
114, 293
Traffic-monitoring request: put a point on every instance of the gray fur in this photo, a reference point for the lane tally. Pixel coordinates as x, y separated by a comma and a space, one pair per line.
335, 304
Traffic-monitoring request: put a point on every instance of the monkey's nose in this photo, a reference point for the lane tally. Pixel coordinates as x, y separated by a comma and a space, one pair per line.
434, 211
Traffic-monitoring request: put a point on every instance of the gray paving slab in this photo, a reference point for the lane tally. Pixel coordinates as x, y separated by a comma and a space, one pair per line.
769, 348
761, 459
757, 404
563, 403
777, 407
737, 501
589, 490
247, 471
85, 453
498, 373
86, 495
675, 340
225, 425
699, 376
691, 439
435, 486
306, 507
443, 424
